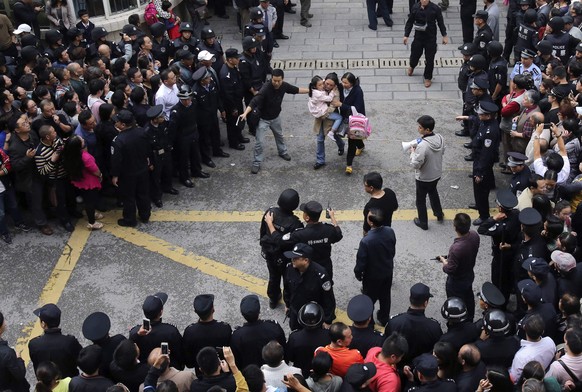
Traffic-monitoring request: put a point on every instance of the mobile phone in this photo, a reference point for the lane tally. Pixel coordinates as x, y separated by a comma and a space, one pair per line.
220, 352
164, 347
285, 378
109, 95
327, 211
146, 324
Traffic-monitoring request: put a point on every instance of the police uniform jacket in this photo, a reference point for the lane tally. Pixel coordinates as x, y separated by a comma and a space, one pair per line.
498, 350
375, 257
498, 76
527, 38
463, 78
483, 36
160, 332
183, 119
469, 98
364, 339
130, 153
231, 88
12, 370
563, 45
201, 334
312, 285
216, 50
436, 385
506, 231
253, 69
58, 348
161, 51
420, 332
161, 138
189, 45
108, 346
185, 73
486, 150
534, 247
461, 333
207, 102
519, 181
247, 341
284, 222
301, 345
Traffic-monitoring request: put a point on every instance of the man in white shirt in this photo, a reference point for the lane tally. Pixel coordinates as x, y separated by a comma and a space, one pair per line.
275, 368
534, 348
557, 162
167, 95
571, 360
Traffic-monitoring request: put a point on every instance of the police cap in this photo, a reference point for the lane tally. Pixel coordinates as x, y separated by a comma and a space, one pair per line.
75, 31
249, 43
185, 26
530, 291
545, 47
312, 209
536, 266
491, 295
516, 159
420, 292
49, 313
487, 107
556, 23
53, 36
201, 73
528, 54
155, 112
124, 116
360, 308
579, 47
96, 326
259, 29
158, 29
256, 13
480, 83
184, 54
567, 19
250, 307
129, 29
185, 92
231, 52
467, 49
530, 217
525, 2
203, 304
481, 14
506, 199
153, 304
299, 250
426, 364
359, 373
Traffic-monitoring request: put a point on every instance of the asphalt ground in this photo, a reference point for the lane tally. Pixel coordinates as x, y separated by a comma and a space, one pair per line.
205, 240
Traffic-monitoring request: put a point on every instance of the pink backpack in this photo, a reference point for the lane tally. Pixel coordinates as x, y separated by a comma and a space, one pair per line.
358, 126
150, 14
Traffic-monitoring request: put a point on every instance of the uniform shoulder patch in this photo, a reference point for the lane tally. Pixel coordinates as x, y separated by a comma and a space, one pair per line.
286, 237
326, 285
487, 142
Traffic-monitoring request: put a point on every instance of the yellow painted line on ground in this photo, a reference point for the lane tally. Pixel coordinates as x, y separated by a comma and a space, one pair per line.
255, 216
203, 264
52, 291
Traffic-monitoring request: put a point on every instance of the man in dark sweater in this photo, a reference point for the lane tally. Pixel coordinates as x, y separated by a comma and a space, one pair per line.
89, 361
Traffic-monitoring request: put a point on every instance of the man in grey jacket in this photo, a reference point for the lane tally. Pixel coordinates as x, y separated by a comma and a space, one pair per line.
427, 160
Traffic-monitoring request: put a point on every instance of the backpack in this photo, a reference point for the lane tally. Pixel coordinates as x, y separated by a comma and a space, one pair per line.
358, 126
150, 14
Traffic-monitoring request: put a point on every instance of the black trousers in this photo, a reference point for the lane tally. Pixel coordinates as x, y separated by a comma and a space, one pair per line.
188, 153
502, 271
161, 176
423, 43
233, 131
468, 9
510, 38
462, 288
276, 272
380, 290
90, 200
353, 144
134, 192
206, 144
430, 189
280, 8
481, 193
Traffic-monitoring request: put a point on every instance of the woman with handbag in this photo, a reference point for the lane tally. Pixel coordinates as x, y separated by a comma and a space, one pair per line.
351, 94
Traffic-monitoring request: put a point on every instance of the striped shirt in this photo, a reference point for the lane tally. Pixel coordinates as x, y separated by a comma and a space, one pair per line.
44, 165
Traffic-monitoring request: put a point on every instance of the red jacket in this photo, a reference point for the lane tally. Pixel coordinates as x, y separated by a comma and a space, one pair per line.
386, 378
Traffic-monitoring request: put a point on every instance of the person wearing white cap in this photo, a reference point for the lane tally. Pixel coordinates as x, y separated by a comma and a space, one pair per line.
23, 28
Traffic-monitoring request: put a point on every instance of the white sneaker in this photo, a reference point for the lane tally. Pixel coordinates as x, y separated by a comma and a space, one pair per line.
98, 215
330, 135
94, 226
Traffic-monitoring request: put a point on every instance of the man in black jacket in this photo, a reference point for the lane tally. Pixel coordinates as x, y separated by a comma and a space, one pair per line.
25, 12
12, 369
232, 94
96, 329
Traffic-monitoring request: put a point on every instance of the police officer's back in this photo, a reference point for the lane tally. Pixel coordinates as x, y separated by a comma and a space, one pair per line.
248, 340
426, 369
96, 328
460, 330
364, 336
499, 346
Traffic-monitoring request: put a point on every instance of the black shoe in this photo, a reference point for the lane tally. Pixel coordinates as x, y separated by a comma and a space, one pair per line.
188, 184
291, 11
6, 238
340, 152
68, 226
275, 44
172, 191
478, 221
158, 203
210, 164
467, 145
221, 154
310, 16
469, 158
462, 133
255, 169
281, 36
273, 303
126, 223
372, 28
306, 23
245, 140
239, 147
473, 206
389, 23
418, 223
440, 218
225, 16
318, 166
144, 220
285, 157
201, 174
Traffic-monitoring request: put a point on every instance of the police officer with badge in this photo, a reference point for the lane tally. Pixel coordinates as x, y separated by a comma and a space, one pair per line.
497, 72
484, 34
186, 40
503, 228
320, 236
520, 172
284, 221
527, 66
467, 50
364, 336
497, 344
425, 369
96, 329
527, 34
161, 140
253, 69
162, 48
563, 44
210, 43
306, 281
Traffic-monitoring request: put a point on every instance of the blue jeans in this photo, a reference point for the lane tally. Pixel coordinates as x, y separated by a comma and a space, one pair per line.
320, 151
337, 120
275, 126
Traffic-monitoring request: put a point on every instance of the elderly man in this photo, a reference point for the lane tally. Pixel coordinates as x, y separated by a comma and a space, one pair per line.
525, 122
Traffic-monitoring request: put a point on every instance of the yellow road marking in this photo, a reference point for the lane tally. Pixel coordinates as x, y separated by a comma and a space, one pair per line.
52, 291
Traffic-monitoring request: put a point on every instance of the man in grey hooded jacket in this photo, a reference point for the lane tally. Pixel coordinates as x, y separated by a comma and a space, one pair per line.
427, 160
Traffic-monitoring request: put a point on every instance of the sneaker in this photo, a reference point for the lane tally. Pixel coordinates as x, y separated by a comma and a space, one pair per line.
255, 169
331, 135
98, 215
94, 226
349, 170
23, 227
6, 238
359, 151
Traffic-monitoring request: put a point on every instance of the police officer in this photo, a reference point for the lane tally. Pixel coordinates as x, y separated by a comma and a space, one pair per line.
460, 328
248, 340
479, 88
425, 369
162, 142
252, 67
99, 37
545, 56
503, 228
232, 94
497, 72
563, 44
186, 40
491, 298
527, 68
147, 340
162, 48
420, 332
54, 40
510, 27
364, 336
497, 344
527, 34
183, 118
531, 294
477, 66
132, 32
96, 329
256, 17
484, 34
206, 332
131, 160
210, 43
520, 172
320, 236
531, 242
303, 342
284, 222
467, 50
185, 63
306, 281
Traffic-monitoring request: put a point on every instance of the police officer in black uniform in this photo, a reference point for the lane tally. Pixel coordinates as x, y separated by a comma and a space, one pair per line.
531, 294
131, 161
563, 44
131, 32
490, 298
209, 42
54, 40
527, 34
484, 34
147, 340
477, 65
460, 329
520, 172
256, 17
232, 94
184, 120
162, 143
306, 281
467, 50
530, 244
248, 340
503, 228
186, 40
252, 68
320, 236
479, 88
364, 336
497, 72
425, 369
497, 344
545, 55
510, 27
303, 342
420, 332
96, 329
99, 37
162, 48
284, 222
206, 332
